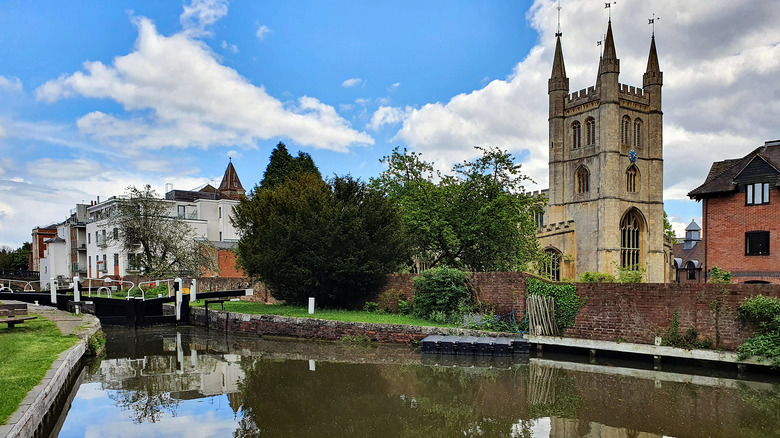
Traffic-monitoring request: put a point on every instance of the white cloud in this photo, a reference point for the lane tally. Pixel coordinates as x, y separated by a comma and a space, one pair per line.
232, 47
200, 14
13, 84
186, 98
353, 82
262, 31
720, 58
393, 87
362, 101
234, 154
386, 115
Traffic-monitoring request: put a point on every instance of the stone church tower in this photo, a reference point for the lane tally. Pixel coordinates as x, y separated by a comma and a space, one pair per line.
606, 172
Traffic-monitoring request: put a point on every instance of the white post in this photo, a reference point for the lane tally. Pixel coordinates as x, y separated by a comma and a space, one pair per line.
193, 290
178, 298
311, 305
53, 288
76, 291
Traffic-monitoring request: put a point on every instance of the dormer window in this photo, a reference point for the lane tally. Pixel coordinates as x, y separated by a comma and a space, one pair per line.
757, 194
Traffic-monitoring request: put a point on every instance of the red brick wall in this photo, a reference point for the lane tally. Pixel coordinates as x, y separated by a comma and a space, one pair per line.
726, 220
630, 312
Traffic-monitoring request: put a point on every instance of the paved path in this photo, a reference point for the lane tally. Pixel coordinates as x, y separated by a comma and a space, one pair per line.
68, 323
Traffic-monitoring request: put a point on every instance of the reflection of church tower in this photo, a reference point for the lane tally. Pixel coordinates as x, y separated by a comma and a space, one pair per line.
231, 187
606, 171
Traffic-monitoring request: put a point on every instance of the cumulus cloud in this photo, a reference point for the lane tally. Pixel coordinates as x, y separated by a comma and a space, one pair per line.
720, 60
232, 47
386, 115
393, 87
12, 84
184, 97
353, 82
262, 31
200, 14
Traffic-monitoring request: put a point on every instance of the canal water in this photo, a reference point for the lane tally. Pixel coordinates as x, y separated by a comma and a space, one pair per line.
189, 382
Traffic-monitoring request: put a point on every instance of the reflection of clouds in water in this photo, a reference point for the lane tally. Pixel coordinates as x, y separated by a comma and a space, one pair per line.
89, 391
194, 418
539, 428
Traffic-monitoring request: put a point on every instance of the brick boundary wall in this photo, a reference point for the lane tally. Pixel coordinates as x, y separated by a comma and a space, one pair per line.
312, 328
628, 312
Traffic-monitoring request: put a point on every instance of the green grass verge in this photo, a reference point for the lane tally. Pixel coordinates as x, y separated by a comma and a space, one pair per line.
26, 354
334, 315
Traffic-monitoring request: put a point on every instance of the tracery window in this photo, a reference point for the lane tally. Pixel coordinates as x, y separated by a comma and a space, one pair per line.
575, 135
625, 129
630, 240
631, 177
590, 128
583, 180
638, 133
551, 267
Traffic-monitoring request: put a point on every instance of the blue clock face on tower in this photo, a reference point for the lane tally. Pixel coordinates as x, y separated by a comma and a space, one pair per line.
632, 155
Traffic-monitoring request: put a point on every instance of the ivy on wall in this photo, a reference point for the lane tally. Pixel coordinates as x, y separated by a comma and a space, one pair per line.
567, 302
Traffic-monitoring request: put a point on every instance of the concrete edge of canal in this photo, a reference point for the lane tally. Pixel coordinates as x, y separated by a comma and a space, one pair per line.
35, 408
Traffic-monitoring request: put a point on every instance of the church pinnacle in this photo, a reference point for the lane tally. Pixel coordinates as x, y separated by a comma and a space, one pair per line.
653, 74
558, 79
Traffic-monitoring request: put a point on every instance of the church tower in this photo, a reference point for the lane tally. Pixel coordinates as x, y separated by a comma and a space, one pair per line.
605, 171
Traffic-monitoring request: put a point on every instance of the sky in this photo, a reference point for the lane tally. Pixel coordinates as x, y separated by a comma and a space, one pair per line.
97, 96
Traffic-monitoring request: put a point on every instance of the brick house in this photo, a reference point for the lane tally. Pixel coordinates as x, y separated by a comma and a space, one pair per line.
741, 216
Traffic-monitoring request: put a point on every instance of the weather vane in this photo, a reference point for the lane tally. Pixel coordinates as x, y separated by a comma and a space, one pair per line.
559, 33
608, 5
652, 21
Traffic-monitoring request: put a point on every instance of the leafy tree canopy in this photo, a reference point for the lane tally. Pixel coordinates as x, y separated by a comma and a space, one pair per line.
163, 244
15, 259
477, 217
668, 230
282, 166
335, 241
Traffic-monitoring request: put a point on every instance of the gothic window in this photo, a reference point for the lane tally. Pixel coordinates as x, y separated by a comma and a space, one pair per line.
551, 267
638, 133
630, 240
583, 180
625, 129
631, 177
691, 268
590, 127
575, 135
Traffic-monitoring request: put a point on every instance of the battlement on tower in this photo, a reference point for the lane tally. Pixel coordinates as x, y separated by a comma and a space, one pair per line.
632, 90
583, 95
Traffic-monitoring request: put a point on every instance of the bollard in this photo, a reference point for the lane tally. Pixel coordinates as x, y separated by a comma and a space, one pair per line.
76, 291
53, 287
193, 290
177, 287
311, 305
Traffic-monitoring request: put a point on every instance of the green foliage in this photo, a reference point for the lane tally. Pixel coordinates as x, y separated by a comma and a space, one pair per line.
626, 275
442, 290
487, 321
668, 230
356, 340
404, 307
15, 259
95, 343
168, 245
596, 277
567, 302
719, 276
766, 341
389, 300
476, 218
370, 306
334, 241
283, 166
673, 337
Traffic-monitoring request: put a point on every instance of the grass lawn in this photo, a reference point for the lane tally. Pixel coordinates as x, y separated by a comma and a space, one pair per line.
335, 315
26, 354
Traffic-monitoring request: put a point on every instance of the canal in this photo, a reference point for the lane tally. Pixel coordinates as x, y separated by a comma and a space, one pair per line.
189, 382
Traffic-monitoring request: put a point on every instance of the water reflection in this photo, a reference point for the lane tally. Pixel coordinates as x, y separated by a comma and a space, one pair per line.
155, 382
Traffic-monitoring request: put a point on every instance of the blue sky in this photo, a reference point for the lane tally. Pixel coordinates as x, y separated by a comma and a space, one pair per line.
96, 96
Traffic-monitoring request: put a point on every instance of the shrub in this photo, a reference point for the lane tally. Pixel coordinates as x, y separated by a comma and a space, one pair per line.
596, 277
719, 276
389, 300
626, 275
440, 290
673, 337
766, 341
370, 306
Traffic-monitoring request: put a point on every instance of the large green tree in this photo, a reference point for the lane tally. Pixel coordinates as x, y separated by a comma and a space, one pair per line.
15, 259
163, 244
334, 241
282, 165
477, 217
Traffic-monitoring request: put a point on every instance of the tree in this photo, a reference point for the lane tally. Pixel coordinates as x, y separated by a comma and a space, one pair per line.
477, 218
668, 230
282, 165
305, 238
164, 245
15, 259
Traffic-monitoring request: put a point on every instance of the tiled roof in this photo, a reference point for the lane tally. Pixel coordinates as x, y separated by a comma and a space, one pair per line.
721, 178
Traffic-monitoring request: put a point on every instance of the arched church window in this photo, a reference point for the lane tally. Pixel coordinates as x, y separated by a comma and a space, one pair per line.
551, 267
631, 179
575, 135
630, 240
590, 127
625, 130
638, 133
583, 180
